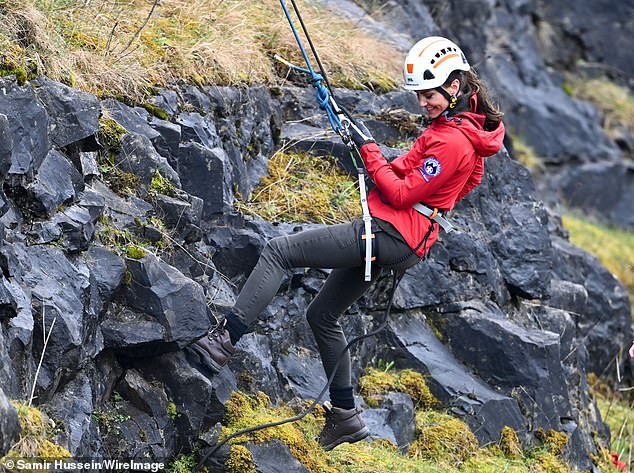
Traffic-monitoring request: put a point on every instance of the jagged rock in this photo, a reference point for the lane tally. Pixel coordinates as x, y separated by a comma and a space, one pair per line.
107, 270
122, 213
57, 182
270, 455
584, 187
73, 115
167, 100
8, 304
73, 407
573, 297
132, 433
317, 141
206, 173
89, 166
133, 120
460, 268
567, 131
6, 145
6, 369
524, 363
58, 289
170, 137
9, 425
28, 126
139, 157
199, 396
568, 40
147, 338
180, 213
152, 400
412, 344
303, 372
15, 341
74, 227
525, 259
238, 249
395, 420
198, 129
254, 365
163, 293
197, 98
604, 322
77, 227
194, 261
248, 122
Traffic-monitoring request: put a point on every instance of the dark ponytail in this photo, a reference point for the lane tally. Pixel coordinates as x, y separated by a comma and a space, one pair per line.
470, 83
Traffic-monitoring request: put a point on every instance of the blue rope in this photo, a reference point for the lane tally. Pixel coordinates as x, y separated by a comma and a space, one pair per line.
323, 94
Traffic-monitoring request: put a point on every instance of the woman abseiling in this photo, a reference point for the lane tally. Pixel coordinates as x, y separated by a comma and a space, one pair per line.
444, 164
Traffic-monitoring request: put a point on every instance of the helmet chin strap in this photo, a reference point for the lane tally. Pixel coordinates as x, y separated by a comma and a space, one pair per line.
452, 99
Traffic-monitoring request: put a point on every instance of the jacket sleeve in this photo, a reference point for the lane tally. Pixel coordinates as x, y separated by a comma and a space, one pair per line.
419, 183
474, 179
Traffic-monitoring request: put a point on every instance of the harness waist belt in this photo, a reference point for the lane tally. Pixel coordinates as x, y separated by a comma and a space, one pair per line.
435, 215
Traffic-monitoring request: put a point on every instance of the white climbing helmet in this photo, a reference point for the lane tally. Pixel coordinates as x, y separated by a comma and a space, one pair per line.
430, 61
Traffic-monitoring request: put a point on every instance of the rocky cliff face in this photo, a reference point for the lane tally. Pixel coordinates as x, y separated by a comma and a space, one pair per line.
505, 318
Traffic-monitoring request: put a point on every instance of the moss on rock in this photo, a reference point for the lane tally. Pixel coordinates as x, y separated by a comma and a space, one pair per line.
36, 437
510, 443
554, 441
239, 460
375, 384
442, 437
243, 410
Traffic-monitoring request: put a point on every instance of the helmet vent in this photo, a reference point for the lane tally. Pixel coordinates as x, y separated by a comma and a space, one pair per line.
428, 75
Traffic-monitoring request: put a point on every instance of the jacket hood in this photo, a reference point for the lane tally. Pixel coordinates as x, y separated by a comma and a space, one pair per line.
485, 142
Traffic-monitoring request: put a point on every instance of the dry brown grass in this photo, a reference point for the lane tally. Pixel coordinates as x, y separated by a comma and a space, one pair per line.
106, 46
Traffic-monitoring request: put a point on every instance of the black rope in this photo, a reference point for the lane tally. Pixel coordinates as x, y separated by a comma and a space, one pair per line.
312, 48
396, 275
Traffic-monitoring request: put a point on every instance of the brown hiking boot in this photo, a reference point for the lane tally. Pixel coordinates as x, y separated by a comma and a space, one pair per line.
215, 347
342, 425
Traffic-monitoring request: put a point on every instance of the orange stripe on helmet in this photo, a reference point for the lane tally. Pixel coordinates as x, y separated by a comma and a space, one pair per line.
410, 68
448, 56
430, 44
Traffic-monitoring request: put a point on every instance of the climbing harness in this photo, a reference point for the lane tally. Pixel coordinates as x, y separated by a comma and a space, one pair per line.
340, 121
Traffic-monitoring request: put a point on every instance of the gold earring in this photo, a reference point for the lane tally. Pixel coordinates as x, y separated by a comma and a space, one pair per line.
453, 101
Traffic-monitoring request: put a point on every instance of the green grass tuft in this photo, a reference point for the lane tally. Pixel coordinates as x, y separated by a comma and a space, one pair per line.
302, 188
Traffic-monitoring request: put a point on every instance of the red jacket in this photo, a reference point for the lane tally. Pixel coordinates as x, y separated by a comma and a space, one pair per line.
445, 163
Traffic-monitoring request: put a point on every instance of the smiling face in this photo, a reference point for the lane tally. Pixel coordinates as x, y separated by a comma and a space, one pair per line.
433, 101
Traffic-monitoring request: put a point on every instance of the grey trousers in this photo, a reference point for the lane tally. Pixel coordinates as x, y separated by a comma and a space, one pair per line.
335, 247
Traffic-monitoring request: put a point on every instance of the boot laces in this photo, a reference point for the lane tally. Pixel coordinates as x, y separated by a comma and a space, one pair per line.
329, 419
216, 331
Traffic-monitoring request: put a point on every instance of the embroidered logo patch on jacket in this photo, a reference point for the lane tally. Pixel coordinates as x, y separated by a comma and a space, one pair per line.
431, 168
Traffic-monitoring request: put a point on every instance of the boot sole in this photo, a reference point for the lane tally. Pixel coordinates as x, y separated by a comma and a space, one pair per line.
352, 438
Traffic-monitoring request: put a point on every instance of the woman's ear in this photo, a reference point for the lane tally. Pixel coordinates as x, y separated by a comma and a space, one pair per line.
454, 88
